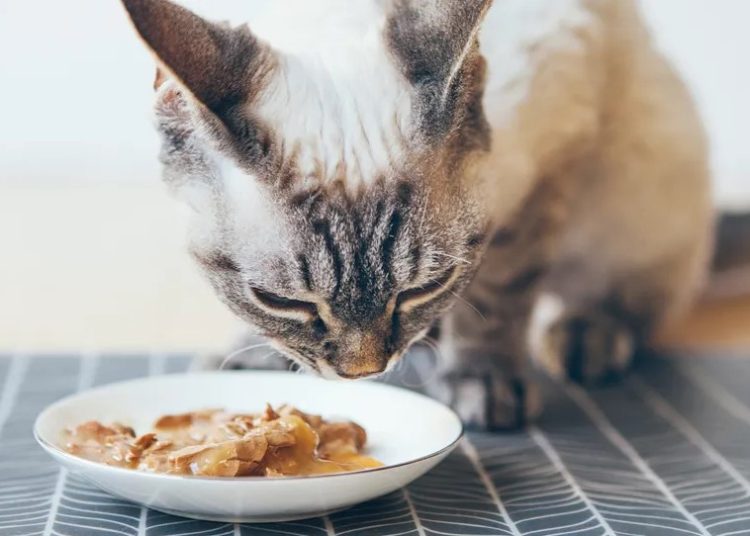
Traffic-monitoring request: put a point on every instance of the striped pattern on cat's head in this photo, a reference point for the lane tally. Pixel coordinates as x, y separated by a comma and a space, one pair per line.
334, 191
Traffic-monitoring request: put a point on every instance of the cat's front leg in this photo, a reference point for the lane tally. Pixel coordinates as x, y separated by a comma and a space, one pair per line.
484, 342
484, 370
483, 375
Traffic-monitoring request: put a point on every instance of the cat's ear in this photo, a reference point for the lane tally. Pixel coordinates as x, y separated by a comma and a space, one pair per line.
220, 66
435, 41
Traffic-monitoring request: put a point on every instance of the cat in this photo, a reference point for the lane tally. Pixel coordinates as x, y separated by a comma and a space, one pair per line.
530, 176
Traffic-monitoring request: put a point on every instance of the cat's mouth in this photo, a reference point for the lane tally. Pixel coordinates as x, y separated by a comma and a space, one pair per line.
357, 376
332, 372
325, 369
352, 371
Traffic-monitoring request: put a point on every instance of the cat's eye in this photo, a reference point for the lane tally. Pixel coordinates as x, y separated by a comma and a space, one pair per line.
414, 297
282, 306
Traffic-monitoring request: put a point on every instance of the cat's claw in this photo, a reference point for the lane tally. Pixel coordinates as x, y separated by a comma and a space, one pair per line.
490, 401
588, 348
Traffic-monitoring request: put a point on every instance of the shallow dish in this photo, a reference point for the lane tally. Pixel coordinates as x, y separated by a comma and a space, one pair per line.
408, 432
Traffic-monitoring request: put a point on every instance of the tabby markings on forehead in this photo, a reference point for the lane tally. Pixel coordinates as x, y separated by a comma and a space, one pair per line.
322, 227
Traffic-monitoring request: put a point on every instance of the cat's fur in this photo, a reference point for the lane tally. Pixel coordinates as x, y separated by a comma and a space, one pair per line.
354, 167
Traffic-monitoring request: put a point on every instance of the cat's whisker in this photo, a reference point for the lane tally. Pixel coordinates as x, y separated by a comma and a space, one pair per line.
437, 352
440, 359
303, 363
438, 356
234, 354
461, 299
397, 368
302, 368
431, 342
454, 257
266, 356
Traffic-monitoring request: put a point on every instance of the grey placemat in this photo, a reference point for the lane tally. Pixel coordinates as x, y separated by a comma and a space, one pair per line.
665, 453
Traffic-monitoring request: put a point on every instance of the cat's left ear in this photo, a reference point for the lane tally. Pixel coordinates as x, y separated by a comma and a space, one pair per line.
435, 41
221, 67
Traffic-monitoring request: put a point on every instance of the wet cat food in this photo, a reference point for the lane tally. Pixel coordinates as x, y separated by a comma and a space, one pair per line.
276, 442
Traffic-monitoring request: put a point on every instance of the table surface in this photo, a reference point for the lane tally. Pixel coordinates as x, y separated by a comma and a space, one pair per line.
666, 452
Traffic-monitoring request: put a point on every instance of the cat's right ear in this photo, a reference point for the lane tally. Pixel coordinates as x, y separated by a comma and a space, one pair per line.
221, 67
435, 42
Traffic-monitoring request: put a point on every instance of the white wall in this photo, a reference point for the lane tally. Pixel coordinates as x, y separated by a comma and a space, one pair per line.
75, 97
75, 87
709, 41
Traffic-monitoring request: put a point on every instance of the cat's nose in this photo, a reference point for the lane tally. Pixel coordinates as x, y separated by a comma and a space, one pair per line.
364, 356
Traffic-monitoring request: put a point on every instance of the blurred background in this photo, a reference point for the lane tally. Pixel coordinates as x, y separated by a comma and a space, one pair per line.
91, 246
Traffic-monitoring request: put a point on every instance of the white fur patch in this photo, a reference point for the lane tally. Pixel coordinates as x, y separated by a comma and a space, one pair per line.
548, 309
253, 214
518, 38
338, 103
238, 215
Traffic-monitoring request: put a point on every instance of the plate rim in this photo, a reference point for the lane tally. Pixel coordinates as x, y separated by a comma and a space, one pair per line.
55, 450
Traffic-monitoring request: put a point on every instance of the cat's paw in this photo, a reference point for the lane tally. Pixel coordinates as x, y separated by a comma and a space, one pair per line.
586, 348
489, 401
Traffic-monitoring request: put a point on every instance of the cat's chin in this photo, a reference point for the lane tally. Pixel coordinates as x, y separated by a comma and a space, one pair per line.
329, 373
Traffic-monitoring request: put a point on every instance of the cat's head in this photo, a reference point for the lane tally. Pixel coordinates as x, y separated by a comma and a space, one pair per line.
334, 184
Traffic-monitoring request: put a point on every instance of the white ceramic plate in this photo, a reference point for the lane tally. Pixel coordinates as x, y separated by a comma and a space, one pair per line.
408, 432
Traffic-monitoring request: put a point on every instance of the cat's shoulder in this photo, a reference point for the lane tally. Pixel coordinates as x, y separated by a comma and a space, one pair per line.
527, 43
544, 26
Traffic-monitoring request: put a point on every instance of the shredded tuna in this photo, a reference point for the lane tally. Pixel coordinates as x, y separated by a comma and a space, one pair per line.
275, 442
